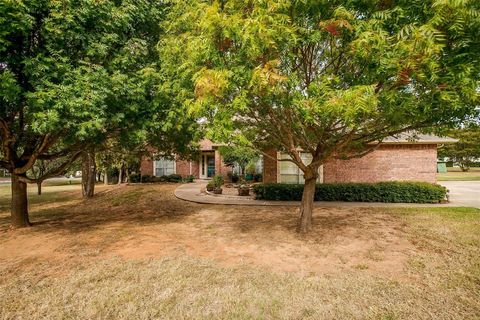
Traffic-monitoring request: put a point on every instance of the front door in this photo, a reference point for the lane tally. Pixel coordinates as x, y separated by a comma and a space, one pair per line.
207, 166
210, 166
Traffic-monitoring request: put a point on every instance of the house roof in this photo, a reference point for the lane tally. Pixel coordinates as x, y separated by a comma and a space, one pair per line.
208, 145
418, 138
402, 138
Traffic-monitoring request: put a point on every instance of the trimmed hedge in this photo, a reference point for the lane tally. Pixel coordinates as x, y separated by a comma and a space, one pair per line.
134, 178
170, 178
410, 192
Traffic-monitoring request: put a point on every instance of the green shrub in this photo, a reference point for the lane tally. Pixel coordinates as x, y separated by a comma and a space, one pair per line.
158, 179
218, 181
410, 192
210, 185
134, 178
147, 178
174, 178
188, 179
257, 177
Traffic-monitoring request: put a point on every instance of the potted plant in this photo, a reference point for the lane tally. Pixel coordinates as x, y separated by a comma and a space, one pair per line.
244, 190
250, 171
217, 183
210, 186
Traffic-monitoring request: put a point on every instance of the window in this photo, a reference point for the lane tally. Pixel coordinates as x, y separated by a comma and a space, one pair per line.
290, 173
164, 167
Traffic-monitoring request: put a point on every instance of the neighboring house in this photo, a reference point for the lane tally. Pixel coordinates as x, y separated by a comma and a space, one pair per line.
397, 159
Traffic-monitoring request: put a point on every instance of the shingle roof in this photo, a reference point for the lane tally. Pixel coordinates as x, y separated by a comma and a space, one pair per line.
418, 138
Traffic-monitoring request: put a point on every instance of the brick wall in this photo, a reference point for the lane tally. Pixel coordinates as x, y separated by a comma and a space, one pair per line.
196, 169
184, 168
220, 167
270, 167
388, 163
146, 166
206, 145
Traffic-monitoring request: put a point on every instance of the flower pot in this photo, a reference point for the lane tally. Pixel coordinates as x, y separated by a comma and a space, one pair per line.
249, 176
243, 191
210, 188
217, 191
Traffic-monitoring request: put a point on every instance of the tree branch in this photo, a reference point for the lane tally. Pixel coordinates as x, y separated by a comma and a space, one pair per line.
53, 173
33, 157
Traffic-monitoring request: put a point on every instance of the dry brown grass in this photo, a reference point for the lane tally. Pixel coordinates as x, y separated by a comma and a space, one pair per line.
136, 252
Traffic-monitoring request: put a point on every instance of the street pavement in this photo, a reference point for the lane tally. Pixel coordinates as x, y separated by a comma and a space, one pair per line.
463, 193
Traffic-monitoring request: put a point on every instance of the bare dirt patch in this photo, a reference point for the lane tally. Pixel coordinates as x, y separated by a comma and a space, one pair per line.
138, 252
343, 239
148, 221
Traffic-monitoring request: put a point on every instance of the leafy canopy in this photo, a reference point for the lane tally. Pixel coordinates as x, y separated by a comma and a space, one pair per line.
241, 156
466, 151
331, 78
75, 73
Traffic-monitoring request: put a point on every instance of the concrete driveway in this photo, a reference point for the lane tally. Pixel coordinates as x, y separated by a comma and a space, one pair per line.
463, 193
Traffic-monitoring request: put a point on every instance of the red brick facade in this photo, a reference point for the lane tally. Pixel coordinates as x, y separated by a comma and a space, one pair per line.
413, 162
206, 145
220, 167
270, 167
186, 168
395, 162
391, 162
146, 166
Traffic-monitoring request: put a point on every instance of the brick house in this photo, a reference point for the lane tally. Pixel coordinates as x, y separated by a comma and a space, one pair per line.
209, 164
397, 159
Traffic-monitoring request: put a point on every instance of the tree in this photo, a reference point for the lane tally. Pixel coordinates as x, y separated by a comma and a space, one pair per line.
326, 78
41, 169
240, 156
120, 157
72, 74
466, 151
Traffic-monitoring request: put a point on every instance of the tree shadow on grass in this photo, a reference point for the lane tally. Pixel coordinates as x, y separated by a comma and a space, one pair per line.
124, 207
328, 223
140, 205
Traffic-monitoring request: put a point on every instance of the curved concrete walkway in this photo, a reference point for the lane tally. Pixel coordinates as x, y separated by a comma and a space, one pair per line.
195, 192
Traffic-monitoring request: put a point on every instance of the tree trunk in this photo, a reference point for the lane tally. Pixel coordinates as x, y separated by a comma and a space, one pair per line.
19, 208
88, 173
39, 188
308, 196
120, 174
105, 177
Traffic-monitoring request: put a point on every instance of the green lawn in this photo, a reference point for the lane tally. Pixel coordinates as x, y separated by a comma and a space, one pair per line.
455, 174
137, 252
